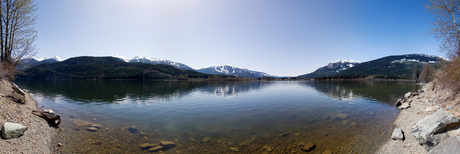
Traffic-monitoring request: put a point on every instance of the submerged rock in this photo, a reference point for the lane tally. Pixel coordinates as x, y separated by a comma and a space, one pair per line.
342, 116
424, 130
234, 149
267, 148
96, 126
398, 134
92, 129
133, 129
327, 152
145, 146
156, 148
206, 139
12, 130
308, 147
167, 143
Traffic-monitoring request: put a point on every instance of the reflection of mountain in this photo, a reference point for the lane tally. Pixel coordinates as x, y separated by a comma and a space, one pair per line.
228, 89
112, 91
386, 92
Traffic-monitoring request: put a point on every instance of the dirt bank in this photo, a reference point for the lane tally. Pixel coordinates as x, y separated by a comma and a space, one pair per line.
431, 98
39, 135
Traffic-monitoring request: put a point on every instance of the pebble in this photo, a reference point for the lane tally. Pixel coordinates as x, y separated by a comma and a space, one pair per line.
206, 139
234, 149
327, 152
267, 148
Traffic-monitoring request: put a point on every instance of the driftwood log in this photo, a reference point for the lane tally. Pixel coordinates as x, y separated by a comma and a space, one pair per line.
53, 119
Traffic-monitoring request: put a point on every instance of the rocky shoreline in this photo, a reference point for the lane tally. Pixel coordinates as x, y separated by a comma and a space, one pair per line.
38, 138
428, 120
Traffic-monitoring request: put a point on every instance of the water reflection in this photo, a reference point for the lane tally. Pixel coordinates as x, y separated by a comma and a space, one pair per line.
211, 117
385, 92
114, 91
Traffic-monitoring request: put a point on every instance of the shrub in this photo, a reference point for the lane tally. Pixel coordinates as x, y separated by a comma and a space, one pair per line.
7, 70
427, 74
450, 75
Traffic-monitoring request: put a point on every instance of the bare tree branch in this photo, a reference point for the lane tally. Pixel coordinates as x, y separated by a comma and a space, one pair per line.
17, 31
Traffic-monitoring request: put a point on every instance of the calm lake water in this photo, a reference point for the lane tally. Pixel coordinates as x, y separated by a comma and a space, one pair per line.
220, 117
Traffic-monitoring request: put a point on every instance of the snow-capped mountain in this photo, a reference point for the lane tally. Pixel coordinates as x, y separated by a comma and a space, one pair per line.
331, 68
33, 61
397, 65
232, 70
150, 60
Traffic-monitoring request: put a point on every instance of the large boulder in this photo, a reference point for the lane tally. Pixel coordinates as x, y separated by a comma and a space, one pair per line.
398, 134
12, 130
451, 145
426, 129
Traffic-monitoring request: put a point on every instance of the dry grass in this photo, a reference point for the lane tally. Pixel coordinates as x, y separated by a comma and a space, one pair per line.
7, 71
449, 77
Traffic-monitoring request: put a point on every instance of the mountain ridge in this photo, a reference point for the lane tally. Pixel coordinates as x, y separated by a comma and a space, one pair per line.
87, 67
331, 69
233, 70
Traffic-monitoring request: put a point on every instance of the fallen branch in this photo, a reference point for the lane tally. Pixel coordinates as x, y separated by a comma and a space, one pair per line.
53, 119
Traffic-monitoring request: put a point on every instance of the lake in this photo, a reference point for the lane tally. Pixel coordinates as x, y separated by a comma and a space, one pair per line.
138, 116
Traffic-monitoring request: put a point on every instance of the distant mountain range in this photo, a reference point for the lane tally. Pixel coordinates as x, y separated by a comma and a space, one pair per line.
213, 70
108, 68
400, 66
32, 61
403, 66
234, 71
331, 69
150, 60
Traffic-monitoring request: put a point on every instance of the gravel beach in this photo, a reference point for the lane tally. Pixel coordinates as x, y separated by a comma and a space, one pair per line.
39, 135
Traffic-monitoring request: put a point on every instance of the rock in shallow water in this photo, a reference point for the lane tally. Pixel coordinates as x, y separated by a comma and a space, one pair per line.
267, 148
92, 129
398, 134
12, 130
156, 148
206, 139
146, 146
308, 147
234, 149
133, 129
167, 143
327, 152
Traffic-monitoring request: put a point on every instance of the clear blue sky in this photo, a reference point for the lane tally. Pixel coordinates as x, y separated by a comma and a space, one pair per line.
279, 37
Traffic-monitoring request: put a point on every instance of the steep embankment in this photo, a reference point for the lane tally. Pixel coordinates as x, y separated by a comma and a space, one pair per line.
431, 99
38, 137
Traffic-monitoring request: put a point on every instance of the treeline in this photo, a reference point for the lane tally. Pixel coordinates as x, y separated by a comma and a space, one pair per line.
425, 74
111, 68
355, 77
